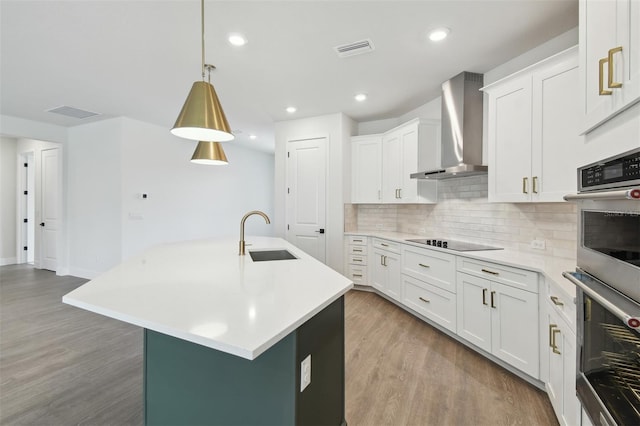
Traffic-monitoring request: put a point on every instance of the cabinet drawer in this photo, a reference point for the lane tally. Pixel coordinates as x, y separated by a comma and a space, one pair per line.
357, 240
562, 304
386, 245
515, 277
357, 274
434, 303
432, 266
355, 259
358, 250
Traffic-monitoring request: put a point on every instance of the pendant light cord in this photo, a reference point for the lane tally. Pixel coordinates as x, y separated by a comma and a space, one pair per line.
202, 32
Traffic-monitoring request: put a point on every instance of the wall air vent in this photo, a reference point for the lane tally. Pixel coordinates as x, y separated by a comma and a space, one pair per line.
72, 112
357, 48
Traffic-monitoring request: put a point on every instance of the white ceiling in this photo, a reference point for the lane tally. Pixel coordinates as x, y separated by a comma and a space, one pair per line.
139, 58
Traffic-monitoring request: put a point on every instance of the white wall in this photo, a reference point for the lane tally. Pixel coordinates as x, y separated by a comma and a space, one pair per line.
112, 162
186, 200
93, 181
22, 128
335, 127
8, 190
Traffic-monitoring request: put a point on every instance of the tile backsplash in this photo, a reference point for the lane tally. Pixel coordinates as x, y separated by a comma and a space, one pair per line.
464, 213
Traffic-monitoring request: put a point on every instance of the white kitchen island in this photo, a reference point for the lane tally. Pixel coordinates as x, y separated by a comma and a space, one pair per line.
225, 335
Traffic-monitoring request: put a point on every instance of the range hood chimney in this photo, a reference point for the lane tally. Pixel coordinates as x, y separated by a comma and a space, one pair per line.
461, 146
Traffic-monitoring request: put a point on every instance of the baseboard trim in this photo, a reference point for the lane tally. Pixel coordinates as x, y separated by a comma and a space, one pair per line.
8, 261
82, 273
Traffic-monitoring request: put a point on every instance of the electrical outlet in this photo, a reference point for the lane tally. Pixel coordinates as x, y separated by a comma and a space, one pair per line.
538, 244
305, 373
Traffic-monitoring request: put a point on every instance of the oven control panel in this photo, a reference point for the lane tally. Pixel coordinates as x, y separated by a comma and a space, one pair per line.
619, 171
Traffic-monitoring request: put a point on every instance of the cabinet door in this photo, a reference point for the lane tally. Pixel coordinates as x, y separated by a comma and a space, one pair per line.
597, 28
509, 134
409, 187
366, 160
514, 328
394, 284
378, 270
555, 141
391, 167
556, 374
473, 316
570, 401
628, 61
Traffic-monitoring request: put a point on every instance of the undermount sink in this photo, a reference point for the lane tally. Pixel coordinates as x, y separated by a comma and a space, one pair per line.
266, 255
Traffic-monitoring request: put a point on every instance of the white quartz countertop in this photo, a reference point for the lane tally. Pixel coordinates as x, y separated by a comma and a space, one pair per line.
204, 292
551, 267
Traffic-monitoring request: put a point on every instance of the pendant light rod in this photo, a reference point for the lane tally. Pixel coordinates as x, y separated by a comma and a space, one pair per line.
202, 33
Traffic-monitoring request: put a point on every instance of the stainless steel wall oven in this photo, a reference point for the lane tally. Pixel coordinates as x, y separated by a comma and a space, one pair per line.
608, 289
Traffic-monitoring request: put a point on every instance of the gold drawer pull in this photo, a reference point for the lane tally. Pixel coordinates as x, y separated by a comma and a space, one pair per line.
601, 89
357, 260
556, 301
493, 293
525, 183
357, 275
484, 296
535, 184
357, 241
384, 245
424, 300
555, 347
551, 327
490, 272
357, 250
423, 265
612, 84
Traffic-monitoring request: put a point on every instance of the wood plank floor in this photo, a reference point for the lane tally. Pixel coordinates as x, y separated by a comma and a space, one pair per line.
60, 365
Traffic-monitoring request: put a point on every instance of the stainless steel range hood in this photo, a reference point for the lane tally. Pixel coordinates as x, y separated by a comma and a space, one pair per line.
461, 146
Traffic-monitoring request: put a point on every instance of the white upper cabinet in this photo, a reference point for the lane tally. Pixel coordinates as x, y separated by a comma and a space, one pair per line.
382, 164
532, 129
609, 59
366, 171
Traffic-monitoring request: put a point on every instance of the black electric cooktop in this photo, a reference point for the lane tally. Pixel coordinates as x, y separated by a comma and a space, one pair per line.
453, 244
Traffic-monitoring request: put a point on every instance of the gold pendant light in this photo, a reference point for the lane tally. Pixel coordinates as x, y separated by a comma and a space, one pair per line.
202, 116
210, 153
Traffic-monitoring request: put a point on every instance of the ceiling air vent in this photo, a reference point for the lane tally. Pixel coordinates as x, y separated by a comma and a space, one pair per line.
357, 48
72, 112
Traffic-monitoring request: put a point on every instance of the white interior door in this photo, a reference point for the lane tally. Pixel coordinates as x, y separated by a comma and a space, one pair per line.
50, 210
306, 198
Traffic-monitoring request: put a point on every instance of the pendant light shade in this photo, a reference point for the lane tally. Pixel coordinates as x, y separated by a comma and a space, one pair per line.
202, 117
210, 153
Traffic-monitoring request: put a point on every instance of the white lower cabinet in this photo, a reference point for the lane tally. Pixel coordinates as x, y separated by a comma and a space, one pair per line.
501, 320
430, 301
357, 259
560, 357
385, 273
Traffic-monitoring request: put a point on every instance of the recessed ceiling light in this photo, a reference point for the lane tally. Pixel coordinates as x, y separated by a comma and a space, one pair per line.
438, 34
360, 97
237, 39
252, 137
291, 109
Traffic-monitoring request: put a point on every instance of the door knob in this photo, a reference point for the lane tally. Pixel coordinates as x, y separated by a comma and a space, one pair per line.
41, 223
321, 231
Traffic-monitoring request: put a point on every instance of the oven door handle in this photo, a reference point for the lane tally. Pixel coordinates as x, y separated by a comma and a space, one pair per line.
620, 308
623, 194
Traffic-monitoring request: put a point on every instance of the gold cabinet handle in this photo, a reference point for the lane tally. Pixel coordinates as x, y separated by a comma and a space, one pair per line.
399, 192
379, 195
535, 186
490, 272
612, 84
357, 241
424, 300
357, 275
493, 293
357, 260
551, 327
423, 265
555, 347
384, 262
525, 183
357, 250
601, 89
556, 301
484, 296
